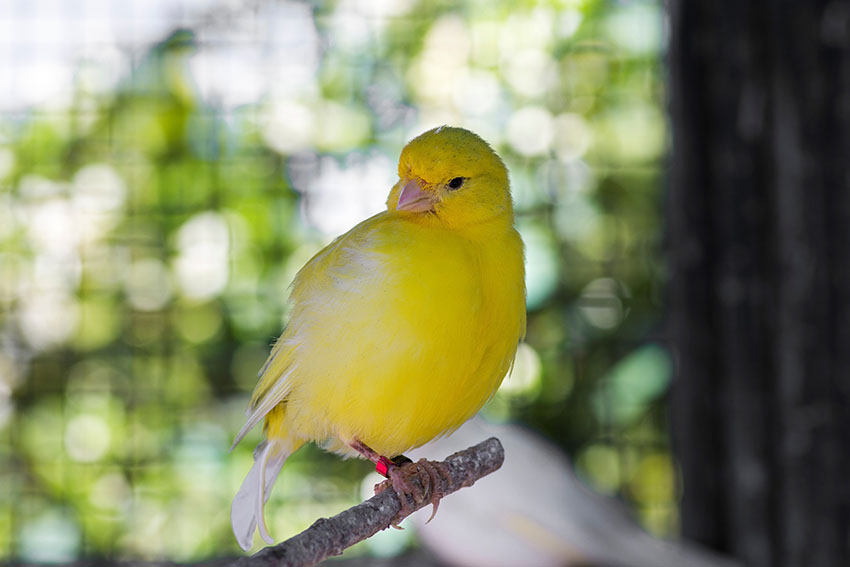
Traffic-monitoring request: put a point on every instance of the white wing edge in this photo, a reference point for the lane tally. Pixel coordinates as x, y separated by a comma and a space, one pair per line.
274, 396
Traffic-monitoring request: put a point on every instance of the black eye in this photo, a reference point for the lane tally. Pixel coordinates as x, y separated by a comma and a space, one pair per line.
456, 183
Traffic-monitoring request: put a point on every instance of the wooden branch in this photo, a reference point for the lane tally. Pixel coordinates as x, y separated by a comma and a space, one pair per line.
331, 536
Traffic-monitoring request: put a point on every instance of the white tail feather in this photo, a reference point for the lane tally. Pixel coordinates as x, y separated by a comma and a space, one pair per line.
246, 513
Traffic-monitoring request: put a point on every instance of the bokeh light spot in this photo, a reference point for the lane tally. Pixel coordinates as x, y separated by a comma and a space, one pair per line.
86, 438
110, 492
600, 464
524, 378
541, 264
531, 72
531, 130
287, 126
51, 537
47, 318
635, 27
625, 392
202, 265
573, 136
198, 323
601, 303
148, 284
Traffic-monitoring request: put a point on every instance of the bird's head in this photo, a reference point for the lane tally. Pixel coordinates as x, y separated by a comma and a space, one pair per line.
451, 176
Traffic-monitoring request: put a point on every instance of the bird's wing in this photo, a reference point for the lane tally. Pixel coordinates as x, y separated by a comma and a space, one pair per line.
275, 377
272, 388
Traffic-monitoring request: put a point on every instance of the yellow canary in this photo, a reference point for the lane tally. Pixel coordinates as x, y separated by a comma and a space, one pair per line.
401, 328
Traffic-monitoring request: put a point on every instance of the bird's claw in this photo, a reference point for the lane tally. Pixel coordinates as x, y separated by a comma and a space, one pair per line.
431, 476
440, 476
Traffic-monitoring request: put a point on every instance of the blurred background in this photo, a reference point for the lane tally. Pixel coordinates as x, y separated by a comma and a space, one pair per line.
165, 169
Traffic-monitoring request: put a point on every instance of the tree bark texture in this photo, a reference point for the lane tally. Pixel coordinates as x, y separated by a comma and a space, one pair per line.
758, 216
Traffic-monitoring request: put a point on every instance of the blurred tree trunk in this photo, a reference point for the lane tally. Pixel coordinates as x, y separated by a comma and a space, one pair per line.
759, 247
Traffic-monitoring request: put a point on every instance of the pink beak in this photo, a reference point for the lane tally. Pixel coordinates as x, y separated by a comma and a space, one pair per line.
414, 198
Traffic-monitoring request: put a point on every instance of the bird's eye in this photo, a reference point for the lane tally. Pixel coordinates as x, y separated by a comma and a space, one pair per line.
456, 183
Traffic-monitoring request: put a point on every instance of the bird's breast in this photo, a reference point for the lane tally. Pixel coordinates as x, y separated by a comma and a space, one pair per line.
411, 343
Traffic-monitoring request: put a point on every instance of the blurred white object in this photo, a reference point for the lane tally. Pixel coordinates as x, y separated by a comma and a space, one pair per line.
534, 512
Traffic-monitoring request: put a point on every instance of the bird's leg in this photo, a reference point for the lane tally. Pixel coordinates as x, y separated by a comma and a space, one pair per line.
382, 464
400, 471
388, 468
366, 452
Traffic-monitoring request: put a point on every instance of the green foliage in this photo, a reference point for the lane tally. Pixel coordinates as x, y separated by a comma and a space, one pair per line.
148, 234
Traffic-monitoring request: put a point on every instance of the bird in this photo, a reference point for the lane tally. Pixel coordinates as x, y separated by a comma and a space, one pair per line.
401, 329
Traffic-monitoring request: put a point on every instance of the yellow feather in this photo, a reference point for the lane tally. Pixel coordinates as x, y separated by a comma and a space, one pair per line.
402, 328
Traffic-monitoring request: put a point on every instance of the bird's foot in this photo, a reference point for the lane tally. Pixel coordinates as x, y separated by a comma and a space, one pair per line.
414, 483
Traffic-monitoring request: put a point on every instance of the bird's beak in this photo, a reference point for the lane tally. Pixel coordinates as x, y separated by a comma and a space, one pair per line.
414, 198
